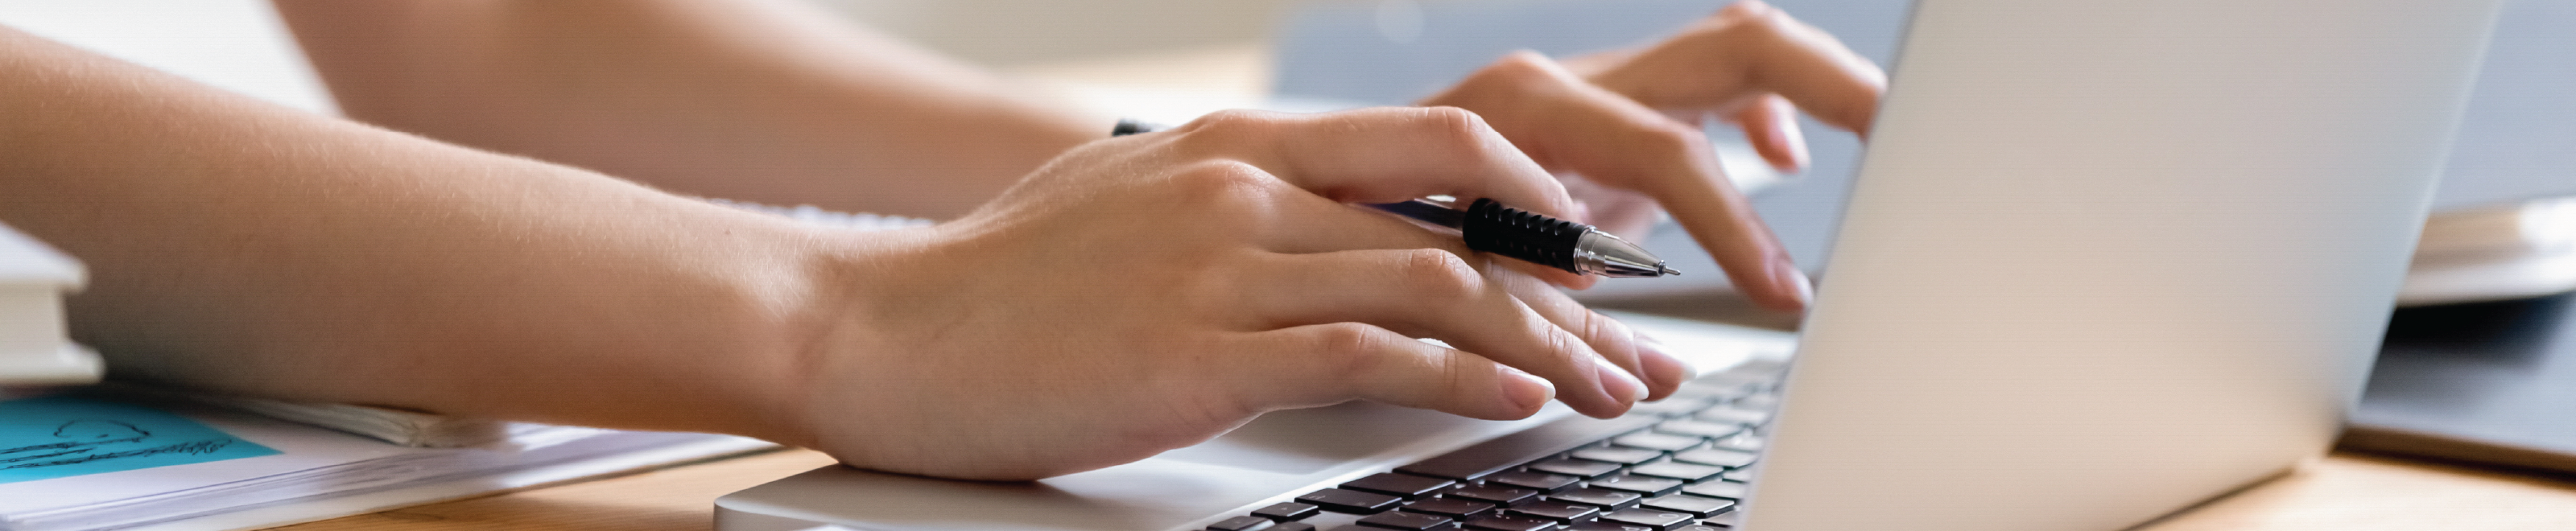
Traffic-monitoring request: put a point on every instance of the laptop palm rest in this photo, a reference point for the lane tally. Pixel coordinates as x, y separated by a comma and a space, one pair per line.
1265, 461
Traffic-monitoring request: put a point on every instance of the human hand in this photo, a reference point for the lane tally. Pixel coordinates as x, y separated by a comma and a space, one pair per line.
1153, 291
1630, 122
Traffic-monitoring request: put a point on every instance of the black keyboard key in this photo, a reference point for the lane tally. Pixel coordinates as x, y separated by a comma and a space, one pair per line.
1734, 415
1486, 458
1405, 486
1570, 467
1241, 523
1292, 526
1659, 441
1408, 521
1741, 443
1555, 511
1506, 523
1286, 511
1651, 519
1614, 454
1695, 428
1643, 486
1537, 481
1678, 471
1607, 499
1492, 494
1696, 506
1349, 501
1716, 457
1728, 520
1717, 489
1451, 508
1600, 525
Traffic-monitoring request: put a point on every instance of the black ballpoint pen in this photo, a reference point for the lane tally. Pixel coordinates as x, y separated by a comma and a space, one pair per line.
1491, 227
1528, 236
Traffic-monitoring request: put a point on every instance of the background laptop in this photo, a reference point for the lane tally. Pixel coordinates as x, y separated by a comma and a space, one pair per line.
2049, 311
2490, 382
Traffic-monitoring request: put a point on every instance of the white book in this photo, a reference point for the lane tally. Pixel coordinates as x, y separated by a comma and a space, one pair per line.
35, 348
2502, 252
96, 460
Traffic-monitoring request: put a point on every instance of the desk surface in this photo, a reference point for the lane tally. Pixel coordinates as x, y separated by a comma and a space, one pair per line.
2345, 492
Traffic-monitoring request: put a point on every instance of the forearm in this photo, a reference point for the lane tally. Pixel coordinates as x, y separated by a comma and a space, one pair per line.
760, 100
240, 247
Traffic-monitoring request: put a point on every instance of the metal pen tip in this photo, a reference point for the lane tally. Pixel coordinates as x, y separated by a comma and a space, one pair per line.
1668, 270
1600, 253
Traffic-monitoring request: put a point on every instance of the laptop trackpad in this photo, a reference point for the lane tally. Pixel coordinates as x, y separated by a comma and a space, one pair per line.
1281, 454
1305, 441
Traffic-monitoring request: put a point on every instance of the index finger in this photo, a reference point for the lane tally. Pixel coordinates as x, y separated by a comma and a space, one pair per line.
1745, 50
1385, 155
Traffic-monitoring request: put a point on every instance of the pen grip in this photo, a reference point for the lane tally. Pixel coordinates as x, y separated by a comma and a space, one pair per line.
1494, 228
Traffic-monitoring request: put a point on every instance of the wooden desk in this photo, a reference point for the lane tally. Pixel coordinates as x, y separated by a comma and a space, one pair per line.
2344, 492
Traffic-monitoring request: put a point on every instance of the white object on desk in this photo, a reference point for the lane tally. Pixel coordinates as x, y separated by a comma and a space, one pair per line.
289, 472
2513, 251
34, 347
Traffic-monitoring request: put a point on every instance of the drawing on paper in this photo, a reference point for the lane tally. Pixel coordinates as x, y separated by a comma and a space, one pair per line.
52, 437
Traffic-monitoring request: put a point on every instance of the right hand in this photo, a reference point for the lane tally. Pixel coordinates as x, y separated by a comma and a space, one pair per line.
1629, 122
1150, 292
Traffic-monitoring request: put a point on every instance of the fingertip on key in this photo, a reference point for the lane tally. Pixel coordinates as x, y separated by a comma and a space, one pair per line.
1618, 387
1525, 392
1667, 372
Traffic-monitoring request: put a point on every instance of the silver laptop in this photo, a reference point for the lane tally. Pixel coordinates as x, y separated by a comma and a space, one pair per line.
2104, 260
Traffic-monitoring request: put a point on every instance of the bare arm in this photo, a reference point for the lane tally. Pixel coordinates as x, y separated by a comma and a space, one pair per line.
241, 247
762, 100
246, 248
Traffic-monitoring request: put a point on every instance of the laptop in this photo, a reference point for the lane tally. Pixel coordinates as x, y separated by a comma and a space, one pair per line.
2103, 261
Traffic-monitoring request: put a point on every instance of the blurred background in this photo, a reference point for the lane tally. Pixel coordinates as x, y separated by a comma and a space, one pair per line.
1020, 32
240, 45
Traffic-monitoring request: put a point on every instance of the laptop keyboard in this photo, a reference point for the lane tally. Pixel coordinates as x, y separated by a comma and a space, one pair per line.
1679, 464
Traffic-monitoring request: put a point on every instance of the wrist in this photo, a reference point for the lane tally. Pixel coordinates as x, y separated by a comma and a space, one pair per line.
847, 282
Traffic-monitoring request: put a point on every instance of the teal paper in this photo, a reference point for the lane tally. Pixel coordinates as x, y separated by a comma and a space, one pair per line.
52, 437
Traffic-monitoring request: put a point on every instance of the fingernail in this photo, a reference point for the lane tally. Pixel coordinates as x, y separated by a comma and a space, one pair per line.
1787, 135
1526, 392
1616, 384
1661, 365
1788, 279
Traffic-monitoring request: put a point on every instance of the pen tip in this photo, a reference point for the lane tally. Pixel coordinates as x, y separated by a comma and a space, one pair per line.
1668, 270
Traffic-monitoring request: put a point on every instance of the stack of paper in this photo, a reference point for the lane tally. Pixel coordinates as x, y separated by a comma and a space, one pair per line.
111, 461
408, 428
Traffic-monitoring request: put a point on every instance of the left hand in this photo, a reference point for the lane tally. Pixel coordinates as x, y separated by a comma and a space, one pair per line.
1630, 121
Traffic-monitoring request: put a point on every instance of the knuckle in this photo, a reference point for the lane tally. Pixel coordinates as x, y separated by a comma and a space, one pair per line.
1758, 26
1455, 124
1457, 376
1595, 327
1349, 349
1441, 275
1519, 66
1233, 122
1220, 182
1461, 136
1567, 349
1672, 139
